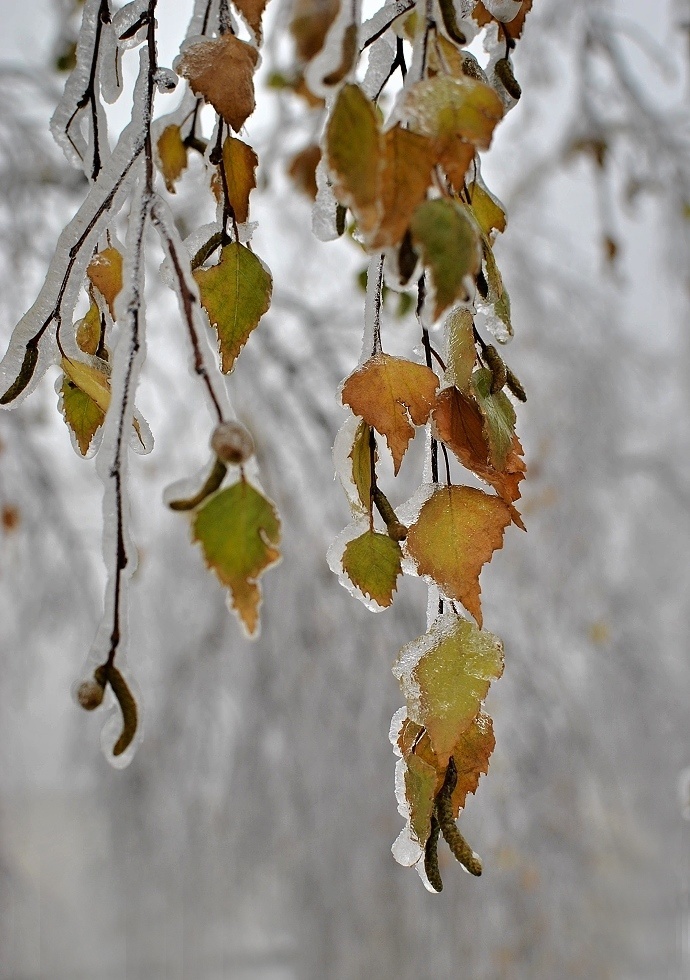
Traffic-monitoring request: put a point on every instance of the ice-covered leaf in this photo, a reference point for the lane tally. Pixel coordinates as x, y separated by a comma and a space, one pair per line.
172, 155
449, 243
445, 676
354, 154
311, 20
239, 531
456, 533
458, 114
407, 161
496, 305
372, 563
461, 352
360, 455
459, 423
222, 69
88, 330
420, 789
240, 163
487, 209
83, 416
392, 395
498, 417
89, 379
501, 9
471, 754
105, 272
348, 55
235, 293
252, 11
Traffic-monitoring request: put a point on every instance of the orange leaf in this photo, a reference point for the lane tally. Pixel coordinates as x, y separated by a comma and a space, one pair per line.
392, 395
459, 424
105, 272
172, 155
407, 161
513, 28
445, 108
456, 533
471, 755
240, 163
222, 69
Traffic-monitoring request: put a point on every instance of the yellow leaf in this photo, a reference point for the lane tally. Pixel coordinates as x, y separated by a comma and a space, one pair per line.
105, 272
235, 293
420, 789
239, 531
360, 454
392, 395
222, 69
461, 352
354, 154
88, 330
240, 163
445, 676
456, 533
445, 108
90, 380
372, 563
172, 156
487, 209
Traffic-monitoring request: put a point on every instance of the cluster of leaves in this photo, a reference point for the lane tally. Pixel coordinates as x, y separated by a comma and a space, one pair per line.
411, 184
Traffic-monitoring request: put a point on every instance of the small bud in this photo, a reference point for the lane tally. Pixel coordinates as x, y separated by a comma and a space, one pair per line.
90, 695
232, 443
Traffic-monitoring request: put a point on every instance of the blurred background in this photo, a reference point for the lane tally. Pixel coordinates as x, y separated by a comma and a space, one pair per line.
250, 837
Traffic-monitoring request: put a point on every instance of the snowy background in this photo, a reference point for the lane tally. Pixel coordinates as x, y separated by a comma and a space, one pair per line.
250, 838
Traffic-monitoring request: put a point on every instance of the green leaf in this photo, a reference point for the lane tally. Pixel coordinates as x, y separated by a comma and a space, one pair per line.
238, 530
354, 152
420, 785
372, 563
449, 243
235, 293
82, 414
445, 676
360, 454
498, 417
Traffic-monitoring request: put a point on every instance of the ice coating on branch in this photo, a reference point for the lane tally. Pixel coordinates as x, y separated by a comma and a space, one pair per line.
110, 65
406, 850
381, 57
330, 64
371, 338
125, 19
178, 273
166, 80
323, 216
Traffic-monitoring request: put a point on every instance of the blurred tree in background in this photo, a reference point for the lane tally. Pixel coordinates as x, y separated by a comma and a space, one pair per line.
250, 837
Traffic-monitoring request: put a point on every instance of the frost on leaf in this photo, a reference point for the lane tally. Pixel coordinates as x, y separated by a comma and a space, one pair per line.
222, 69
445, 676
456, 533
449, 243
392, 395
92, 381
458, 114
235, 293
83, 416
459, 423
372, 563
239, 531
105, 272
461, 354
172, 156
353, 148
240, 163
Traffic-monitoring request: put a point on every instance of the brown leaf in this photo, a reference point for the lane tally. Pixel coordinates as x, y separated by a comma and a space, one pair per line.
471, 755
456, 533
252, 11
407, 162
513, 28
105, 273
302, 169
311, 20
392, 395
459, 424
222, 69
240, 163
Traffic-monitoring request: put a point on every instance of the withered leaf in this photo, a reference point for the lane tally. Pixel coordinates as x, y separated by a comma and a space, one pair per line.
408, 159
222, 69
311, 20
105, 273
392, 395
252, 11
